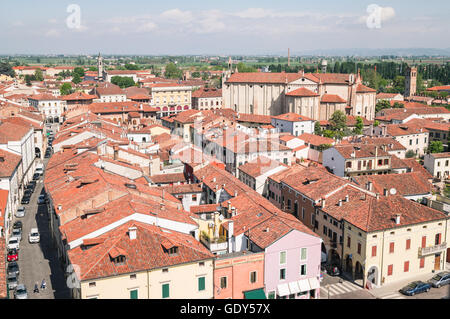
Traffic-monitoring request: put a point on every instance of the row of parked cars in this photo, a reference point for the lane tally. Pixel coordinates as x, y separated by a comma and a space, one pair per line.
13, 246
417, 287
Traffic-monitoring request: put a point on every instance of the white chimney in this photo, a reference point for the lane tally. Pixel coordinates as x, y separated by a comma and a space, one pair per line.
230, 235
346, 198
340, 202
397, 219
385, 192
323, 202
369, 186
132, 232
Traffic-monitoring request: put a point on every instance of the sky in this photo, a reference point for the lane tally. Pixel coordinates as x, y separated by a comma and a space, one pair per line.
219, 27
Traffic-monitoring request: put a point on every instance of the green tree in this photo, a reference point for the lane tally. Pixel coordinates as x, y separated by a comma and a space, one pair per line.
6, 68
359, 126
242, 68
130, 66
76, 78
66, 89
328, 133
398, 105
173, 72
381, 105
376, 123
410, 154
122, 81
317, 128
436, 147
28, 79
38, 75
196, 74
78, 70
338, 121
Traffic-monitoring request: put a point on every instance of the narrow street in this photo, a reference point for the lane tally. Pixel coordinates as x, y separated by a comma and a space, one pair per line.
39, 260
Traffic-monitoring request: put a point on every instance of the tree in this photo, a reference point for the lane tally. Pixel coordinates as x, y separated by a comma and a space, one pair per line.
376, 123
410, 154
130, 66
328, 133
242, 68
381, 105
28, 79
66, 89
338, 121
436, 147
76, 78
359, 126
196, 74
78, 70
38, 75
317, 128
172, 72
122, 81
6, 68
398, 105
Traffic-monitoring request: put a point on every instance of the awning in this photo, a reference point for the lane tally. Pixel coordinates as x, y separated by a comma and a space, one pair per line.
283, 290
255, 294
304, 285
314, 283
293, 287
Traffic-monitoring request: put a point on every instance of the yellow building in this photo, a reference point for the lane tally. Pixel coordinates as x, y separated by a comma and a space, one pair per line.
140, 261
389, 239
171, 98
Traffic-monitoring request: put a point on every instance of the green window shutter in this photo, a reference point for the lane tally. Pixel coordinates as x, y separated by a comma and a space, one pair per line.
133, 294
201, 283
282, 257
165, 291
303, 253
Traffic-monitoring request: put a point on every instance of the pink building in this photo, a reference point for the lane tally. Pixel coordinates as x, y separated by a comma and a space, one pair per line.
238, 275
292, 266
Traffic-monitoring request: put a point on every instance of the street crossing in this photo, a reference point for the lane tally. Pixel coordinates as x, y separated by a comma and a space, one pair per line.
338, 289
395, 295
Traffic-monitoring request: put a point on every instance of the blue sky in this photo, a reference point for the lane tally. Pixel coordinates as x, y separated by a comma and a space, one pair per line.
219, 27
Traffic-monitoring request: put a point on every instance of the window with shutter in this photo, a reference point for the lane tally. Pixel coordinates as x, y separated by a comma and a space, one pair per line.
165, 291
390, 270
391, 248
201, 283
408, 244
406, 266
424, 241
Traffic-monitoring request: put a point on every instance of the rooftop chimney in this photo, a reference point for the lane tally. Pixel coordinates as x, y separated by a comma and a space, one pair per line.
346, 198
340, 202
397, 219
385, 192
369, 186
323, 202
132, 232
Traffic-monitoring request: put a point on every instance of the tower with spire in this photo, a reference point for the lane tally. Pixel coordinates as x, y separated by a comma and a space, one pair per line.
100, 67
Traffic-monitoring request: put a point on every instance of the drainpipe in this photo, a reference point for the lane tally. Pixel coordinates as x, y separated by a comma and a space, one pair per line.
382, 257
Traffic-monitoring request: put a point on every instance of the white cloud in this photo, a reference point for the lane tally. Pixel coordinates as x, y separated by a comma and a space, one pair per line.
177, 16
52, 33
387, 13
147, 27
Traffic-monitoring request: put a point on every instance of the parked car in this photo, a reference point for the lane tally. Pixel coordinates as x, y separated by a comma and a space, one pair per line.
36, 176
13, 268
47, 155
415, 287
18, 224
20, 292
13, 255
39, 171
41, 199
28, 192
13, 243
20, 212
12, 281
441, 279
31, 186
34, 236
17, 233
25, 200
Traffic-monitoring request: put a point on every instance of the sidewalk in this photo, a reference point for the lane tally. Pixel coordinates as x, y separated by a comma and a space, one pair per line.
396, 286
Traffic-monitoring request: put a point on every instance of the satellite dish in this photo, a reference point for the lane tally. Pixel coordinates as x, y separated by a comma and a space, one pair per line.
393, 191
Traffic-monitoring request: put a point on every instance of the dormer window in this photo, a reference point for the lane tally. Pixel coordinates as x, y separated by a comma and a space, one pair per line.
119, 260
173, 251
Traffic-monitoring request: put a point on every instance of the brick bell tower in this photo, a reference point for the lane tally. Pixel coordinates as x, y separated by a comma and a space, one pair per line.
411, 81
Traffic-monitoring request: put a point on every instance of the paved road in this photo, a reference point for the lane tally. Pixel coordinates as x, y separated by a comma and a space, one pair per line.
339, 288
39, 261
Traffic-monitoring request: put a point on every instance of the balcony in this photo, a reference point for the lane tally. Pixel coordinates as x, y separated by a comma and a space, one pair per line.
214, 244
432, 249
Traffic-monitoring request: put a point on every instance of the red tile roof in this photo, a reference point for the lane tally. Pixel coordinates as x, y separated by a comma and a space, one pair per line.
332, 98
315, 140
364, 89
292, 117
207, 93
302, 92
407, 184
10, 132
146, 252
259, 166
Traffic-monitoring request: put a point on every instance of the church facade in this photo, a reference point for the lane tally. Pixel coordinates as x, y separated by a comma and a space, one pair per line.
315, 95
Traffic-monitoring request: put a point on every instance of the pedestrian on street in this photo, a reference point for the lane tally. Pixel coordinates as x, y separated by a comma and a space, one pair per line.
36, 288
43, 284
